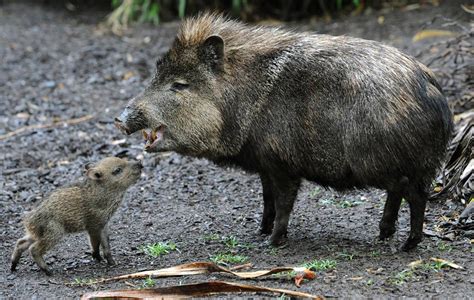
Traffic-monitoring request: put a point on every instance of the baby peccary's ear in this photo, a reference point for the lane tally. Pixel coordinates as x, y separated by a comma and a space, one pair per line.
212, 52
94, 174
88, 165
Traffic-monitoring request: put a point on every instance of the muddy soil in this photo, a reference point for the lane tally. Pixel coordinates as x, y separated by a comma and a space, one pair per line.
58, 66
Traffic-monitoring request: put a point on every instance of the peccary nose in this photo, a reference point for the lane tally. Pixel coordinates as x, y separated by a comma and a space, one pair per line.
121, 126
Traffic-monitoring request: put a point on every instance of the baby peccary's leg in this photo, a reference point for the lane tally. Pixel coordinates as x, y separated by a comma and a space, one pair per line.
21, 245
285, 190
50, 237
37, 250
94, 238
104, 241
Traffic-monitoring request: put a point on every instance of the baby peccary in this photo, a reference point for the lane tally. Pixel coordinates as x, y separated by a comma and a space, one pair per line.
85, 206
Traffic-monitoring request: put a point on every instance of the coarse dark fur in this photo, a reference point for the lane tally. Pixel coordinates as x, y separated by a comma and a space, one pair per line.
340, 111
84, 206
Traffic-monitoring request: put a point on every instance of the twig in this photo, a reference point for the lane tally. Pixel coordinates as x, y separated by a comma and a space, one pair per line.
43, 126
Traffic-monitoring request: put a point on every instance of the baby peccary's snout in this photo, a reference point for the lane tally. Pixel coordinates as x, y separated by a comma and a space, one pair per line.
83, 206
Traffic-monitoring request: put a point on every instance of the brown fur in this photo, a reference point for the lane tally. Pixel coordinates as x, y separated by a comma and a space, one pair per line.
86, 206
340, 111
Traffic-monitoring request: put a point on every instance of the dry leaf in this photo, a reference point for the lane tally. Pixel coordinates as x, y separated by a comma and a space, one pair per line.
128, 75
118, 142
431, 33
192, 290
206, 268
448, 263
415, 264
356, 278
303, 273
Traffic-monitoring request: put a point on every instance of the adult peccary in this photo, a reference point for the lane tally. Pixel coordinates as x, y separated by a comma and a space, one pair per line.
83, 206
340, 111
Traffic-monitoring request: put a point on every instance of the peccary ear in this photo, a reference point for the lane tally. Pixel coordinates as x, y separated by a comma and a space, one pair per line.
94, 174
212, 52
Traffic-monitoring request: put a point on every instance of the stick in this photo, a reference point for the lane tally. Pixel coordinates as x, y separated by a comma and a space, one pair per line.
42, 126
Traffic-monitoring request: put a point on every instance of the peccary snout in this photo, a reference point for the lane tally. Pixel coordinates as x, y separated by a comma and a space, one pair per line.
123, 122
131, 119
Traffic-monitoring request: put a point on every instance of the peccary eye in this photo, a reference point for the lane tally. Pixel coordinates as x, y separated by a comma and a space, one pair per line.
117, 171
179, 86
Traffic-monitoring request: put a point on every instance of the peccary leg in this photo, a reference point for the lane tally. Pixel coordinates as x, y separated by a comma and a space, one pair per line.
94, 238
268, 206
417, 201
286, 190
37, 250
21, 245
104, 241
390, 214
51, 236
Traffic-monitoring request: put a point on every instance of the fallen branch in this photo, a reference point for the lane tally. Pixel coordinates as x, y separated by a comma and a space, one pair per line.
43, 126
208, 268
192, 290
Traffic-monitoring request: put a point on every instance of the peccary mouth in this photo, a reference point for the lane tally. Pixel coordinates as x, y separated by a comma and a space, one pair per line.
153, 138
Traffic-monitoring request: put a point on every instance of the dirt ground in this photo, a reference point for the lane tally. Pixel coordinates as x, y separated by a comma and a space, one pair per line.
57, 65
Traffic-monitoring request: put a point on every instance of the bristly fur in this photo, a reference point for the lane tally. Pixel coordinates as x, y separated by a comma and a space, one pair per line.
237, 35
340, 111
83, 206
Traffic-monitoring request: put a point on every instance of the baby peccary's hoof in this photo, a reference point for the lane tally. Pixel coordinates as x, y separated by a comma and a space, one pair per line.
13, 266
46, 271
110, 261
97, 257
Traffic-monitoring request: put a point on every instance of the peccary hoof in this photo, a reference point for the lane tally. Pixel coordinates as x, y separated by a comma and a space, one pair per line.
385, 233
411, 243
265, 230
278, 241
47, 272
110, 261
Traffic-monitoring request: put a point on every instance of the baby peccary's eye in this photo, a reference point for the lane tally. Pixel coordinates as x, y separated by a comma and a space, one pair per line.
179, 86
117, 171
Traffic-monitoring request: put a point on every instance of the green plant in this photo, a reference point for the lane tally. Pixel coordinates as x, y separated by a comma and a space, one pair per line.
273, 251
314, 192
346, 255
347, 203
211, 237
442, 246
375, 253
148, 283
321, 265
231, 241
326, 201
283, 297
149, 12
434, 266
182, 8
159, 249
401, 277
228, 258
